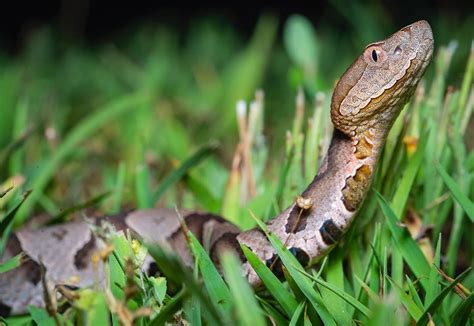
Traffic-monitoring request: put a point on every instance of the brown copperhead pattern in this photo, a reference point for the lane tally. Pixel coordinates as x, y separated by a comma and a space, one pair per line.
365, 103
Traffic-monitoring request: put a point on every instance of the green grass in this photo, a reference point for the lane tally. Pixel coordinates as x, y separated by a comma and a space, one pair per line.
135, 125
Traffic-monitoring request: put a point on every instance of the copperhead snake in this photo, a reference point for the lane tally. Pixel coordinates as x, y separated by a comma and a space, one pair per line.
366, 100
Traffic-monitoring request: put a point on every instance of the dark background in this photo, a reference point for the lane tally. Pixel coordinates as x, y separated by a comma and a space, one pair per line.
98, 21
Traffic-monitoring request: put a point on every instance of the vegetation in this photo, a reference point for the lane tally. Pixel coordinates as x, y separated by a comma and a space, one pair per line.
150, 120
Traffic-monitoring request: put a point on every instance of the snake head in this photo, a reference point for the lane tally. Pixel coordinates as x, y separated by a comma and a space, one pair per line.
381, 80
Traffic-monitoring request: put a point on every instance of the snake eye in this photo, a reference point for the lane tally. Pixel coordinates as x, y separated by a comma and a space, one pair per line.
374, 55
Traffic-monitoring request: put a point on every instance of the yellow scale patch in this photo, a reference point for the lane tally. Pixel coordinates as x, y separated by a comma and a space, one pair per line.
363, 149
354, 191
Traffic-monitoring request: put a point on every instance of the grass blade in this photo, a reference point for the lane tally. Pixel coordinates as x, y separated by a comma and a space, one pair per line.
413, 292
118, 189
343, 295
370, 293
169, 309
247, 308
463, 311
457, 193
94, 306
439, 299
403, 191
405, 243
41, 317
12, 263
175, 271
192, 311
81, 132
215, 285
412, 308
62, 217
433, 280
6, 223
181, 171
275, 316
271, 282
202, 194
303, 282
142, 186
10, 215
297, 314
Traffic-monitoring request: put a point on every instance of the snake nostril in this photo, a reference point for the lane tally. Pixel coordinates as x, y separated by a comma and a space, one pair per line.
398, 50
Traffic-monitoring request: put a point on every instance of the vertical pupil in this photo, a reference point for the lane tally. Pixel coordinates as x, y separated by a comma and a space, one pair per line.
374, 55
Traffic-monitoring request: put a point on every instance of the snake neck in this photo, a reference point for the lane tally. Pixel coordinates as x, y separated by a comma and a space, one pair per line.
347, 171
335, 194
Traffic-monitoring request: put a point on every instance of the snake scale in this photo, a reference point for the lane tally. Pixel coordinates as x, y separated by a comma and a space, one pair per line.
366, 101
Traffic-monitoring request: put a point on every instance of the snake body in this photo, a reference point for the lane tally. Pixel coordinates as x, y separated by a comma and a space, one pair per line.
366, 100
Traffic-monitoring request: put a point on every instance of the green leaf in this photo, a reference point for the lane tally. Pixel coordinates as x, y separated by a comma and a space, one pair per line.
404, 188
300, 41
271, 282
169, 309
6, 223
335, 277
340, 293
202, 194
181, 171
12, 263
10, 215
463, 311
413, 291
192, 311
434, 277
118, 189
461, 198
248, 310
98, 314
280, 189
17, 143
405, 243
61, 217
173, 269
94, 305
297, 314
245, 72
412, 308
273, 313
218, 291
159, 288
41, 317
371, 294
17, 320
74, 138
303, 282
385, 313
439, 299
117, 277
142, 185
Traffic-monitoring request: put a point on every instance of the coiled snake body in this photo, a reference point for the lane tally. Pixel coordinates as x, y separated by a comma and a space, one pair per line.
365, 103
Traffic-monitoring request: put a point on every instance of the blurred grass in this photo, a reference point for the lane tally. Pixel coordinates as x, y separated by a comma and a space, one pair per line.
133, 118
